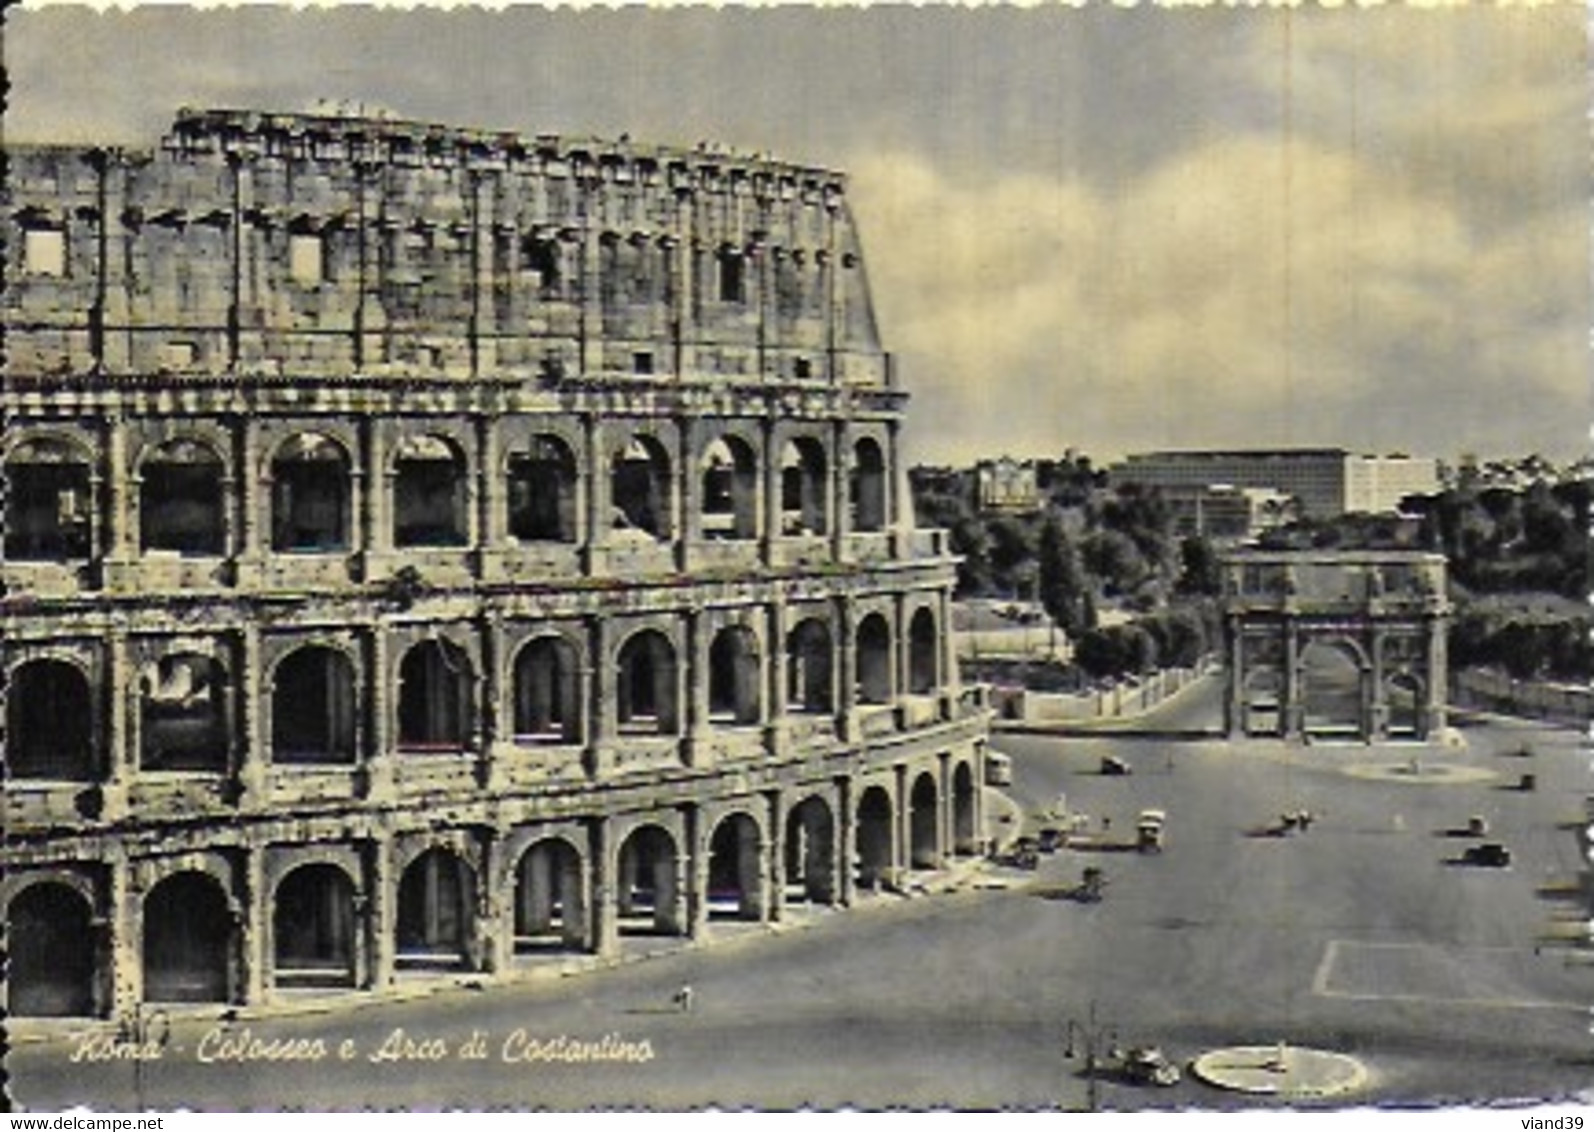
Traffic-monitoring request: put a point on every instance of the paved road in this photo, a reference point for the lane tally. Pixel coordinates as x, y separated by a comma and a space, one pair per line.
1354, 936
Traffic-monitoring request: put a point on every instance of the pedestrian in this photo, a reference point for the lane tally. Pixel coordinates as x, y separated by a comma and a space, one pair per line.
683, 999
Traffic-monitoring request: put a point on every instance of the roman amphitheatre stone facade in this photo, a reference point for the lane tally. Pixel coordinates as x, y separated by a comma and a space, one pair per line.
427, 549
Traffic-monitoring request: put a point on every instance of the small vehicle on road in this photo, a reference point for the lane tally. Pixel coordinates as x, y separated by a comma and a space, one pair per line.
998, 769
1490, 855
1150, 830
1092, 885
1051, 840
1148, 1065
1114, 766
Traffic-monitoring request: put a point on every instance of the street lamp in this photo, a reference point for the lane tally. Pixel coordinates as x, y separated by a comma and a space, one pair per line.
1091, 1037
145, 1031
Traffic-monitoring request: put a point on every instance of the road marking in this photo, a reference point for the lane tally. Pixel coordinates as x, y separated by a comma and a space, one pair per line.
1323, 976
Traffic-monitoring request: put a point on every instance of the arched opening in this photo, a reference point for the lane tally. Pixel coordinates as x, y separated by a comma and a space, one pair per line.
50, 723
736, 870
183, 720
546, 708
639, 489
550, 899
49, 515
429, 495
802, 487
808, 668
965, 832
312, 707
542, 492
649, 892
313, 926
924, 835
868, 487
51, 940
923, 654
437, 896
434, 698
310, 495
874, 851
190, 935
1261, 700
811, 852
734, 677
730, 490
874, 660
1331, 689
1403, 696
646, 692
181, 500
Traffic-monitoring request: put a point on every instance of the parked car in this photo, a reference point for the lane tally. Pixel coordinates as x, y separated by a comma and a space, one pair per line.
1148, 1065
1491, 854
1113, 765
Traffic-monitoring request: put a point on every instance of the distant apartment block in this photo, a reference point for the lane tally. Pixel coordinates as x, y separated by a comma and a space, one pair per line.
1324, 481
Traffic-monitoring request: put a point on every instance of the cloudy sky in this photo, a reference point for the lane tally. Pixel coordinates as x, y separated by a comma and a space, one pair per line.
1096, 228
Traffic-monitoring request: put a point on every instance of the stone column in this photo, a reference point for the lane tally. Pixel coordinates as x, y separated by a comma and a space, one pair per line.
589, 266
699, 737
249, 547
1436, 678
846, 844
380, 690
120, 697
769, 525
121, 539
840, 492
901, 653
775, 707
774, 862
125, 909
495, 701
253, 761
257, 941
381, 912
600, 720
694, 862
902, 826
845, 670
596, 494
377, 540
687, 513
491, 526
494, 932
944, 822
605, 857
1293, 709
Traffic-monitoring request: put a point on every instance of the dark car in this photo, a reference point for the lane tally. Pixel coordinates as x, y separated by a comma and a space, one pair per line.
1050, 841
1112, 765
1491, 854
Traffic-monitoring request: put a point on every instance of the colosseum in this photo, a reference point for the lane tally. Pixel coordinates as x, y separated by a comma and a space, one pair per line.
430, 549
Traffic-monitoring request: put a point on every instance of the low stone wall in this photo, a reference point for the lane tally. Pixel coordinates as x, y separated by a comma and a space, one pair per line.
1023, 705
1491, 690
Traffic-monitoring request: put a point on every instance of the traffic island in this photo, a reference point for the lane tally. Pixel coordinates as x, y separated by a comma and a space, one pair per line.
1280, 1070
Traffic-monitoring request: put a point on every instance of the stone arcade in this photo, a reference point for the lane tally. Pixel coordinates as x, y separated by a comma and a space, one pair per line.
426, 548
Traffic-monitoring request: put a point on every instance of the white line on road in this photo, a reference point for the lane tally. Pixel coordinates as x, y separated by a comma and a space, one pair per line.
1324, 973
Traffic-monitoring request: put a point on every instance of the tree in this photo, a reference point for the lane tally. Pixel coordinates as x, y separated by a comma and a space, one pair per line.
1063, 588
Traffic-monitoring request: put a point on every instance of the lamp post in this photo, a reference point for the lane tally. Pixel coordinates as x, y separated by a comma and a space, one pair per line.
146, 1032
1090, 1036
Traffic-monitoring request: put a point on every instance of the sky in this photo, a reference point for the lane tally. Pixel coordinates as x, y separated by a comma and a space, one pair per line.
1100, 228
